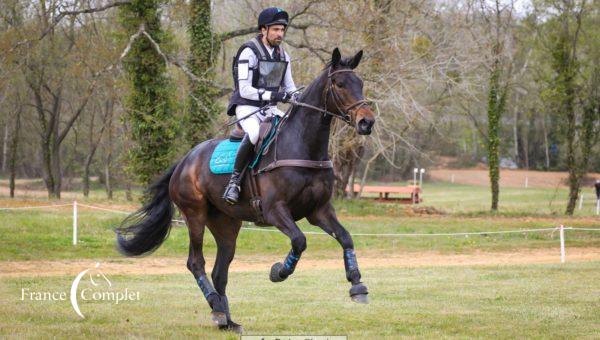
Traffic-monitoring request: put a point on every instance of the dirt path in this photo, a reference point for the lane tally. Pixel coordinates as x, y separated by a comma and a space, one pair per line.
172, 265
508, 178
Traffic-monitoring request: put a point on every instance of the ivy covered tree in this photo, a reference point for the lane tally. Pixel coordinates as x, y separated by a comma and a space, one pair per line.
202, 102
150, 108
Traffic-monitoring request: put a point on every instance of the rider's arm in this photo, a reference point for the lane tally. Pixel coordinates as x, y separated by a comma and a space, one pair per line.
246, 62
288, 82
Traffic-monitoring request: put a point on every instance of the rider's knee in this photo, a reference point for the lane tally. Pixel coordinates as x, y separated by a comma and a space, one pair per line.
253, 137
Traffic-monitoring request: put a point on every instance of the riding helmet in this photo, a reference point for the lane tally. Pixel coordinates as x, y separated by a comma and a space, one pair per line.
273, 16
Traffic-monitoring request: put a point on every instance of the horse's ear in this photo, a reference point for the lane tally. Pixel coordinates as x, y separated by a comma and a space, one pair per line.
336, 56
356, 59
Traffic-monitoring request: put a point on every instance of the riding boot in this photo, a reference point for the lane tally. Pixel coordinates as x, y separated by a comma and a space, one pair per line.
232, 192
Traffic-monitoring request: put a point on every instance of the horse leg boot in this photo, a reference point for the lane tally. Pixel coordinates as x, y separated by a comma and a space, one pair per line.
232, 192
281, 218
326, 219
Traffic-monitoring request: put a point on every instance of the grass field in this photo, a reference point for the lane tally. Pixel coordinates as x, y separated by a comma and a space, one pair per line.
540, 301
431, 301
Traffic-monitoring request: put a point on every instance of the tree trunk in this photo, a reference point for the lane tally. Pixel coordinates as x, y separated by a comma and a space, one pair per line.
495, 108
516, 132
86, 176
546, 146
128, 195
13, 152
5, 147
108, 161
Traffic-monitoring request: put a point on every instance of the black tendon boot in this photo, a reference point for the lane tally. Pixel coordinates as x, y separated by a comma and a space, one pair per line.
232, 192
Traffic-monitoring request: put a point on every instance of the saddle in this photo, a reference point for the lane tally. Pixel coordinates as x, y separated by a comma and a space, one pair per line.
267, 128
268, 132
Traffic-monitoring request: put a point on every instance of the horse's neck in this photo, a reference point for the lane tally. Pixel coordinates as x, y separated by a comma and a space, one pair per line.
306, 133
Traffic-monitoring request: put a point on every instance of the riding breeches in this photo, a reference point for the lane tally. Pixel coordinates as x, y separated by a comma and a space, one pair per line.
251, 124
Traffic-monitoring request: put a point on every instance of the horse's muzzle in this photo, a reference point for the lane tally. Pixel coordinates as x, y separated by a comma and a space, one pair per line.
364, 126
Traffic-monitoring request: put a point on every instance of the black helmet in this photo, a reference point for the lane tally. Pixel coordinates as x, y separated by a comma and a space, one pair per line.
273, 16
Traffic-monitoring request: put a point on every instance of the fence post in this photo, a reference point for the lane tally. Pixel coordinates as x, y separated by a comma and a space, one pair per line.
74, 223
562, 243
580, 201
598, 207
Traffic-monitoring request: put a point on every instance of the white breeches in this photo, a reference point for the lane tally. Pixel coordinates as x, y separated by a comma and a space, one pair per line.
251, 124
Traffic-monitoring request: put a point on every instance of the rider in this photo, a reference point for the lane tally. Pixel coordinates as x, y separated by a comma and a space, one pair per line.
262, 76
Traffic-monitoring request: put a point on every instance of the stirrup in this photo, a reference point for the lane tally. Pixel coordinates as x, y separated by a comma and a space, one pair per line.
228, 192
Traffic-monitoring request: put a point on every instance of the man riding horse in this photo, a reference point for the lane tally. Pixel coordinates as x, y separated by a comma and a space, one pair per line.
262, 75
295, 177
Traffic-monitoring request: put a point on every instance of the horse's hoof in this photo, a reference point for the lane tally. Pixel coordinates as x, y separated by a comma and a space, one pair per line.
361, 298
219, 318
232, 327
358, 293
274, 275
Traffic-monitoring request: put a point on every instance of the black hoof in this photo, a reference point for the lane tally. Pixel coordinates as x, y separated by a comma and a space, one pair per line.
232, 327
361, 298
358, 293
219, 318
274, 275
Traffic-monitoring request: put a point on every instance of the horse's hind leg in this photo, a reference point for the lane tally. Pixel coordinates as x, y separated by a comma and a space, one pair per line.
225, 231
196, 219
326, 219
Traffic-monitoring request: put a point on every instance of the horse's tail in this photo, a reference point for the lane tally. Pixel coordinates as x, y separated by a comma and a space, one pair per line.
145, 230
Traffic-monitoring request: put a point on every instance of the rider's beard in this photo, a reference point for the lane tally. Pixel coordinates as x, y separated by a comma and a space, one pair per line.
274, 42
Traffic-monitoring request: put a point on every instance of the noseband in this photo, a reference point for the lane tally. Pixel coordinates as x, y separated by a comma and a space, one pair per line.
345, 112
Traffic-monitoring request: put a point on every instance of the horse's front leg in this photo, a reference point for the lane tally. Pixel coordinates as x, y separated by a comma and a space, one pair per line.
326, 219
281, 218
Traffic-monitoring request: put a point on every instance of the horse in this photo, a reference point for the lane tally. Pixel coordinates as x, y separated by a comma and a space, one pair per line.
289, 193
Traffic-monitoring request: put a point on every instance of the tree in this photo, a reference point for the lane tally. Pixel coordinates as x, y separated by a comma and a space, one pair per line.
575, 107
202, 105
149, 107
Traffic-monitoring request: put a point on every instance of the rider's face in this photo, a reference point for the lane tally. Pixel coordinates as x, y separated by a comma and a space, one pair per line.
274, 34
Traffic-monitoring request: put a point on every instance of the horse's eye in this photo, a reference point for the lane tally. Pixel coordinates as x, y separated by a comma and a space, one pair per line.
340, 84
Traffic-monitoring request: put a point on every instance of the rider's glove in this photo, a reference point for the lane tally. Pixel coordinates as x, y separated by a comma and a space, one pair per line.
282, 97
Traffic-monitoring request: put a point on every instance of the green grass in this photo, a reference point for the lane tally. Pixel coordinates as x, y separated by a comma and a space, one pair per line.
47, 235
476, 200
533, 301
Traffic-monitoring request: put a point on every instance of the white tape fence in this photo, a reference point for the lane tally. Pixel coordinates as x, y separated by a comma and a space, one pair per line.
561, 229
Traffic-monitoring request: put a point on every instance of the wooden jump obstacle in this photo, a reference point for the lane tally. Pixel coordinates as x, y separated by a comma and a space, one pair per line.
385, 191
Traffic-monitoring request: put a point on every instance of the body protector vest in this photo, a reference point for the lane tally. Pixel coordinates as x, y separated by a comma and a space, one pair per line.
268, 74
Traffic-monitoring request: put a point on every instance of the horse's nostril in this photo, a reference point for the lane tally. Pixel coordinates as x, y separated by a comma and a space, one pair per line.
366, 124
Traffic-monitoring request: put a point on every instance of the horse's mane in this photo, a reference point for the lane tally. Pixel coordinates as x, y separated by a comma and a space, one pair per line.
344, 62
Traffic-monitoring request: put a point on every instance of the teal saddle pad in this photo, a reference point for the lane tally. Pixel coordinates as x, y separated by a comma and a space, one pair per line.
222, 159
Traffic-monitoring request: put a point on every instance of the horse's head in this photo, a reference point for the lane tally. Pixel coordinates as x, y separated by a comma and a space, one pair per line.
344, 93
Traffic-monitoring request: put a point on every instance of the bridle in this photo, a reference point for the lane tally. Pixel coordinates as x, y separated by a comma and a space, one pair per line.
345, 113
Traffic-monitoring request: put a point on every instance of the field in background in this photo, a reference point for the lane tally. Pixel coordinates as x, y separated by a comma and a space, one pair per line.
508, 178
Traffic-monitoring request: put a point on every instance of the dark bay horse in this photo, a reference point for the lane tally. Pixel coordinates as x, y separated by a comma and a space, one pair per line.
289, 193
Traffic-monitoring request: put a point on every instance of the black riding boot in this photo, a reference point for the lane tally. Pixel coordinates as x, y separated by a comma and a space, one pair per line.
232, 192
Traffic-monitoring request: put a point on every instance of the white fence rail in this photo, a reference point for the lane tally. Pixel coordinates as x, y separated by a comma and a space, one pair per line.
561, 229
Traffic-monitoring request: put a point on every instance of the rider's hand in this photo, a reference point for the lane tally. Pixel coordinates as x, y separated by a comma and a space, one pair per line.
282, 97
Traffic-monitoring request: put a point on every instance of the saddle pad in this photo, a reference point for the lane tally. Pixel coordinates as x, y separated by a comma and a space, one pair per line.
223, 158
